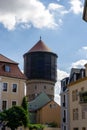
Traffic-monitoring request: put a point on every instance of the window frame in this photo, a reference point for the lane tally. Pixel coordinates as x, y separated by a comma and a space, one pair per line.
14, 88
6, 104
75, 114
7, 68
83, 115
3, 89
14, 101
75, 95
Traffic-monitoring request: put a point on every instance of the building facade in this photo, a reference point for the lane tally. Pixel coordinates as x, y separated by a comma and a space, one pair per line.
77, 86
77, 99
44, 110
40, 67
64, 104
12, 83
49, 113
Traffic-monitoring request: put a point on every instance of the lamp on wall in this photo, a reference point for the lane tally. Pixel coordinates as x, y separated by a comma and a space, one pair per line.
85, 11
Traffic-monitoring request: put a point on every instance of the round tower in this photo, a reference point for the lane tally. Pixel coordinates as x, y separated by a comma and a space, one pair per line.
40, 67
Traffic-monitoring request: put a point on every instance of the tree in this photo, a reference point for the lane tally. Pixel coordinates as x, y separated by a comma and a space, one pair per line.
14, 117
3, 118
25, 106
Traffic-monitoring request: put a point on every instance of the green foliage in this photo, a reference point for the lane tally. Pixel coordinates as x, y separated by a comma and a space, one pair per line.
14, 117
25, 107
3, 118
36, 126
52, 124
25, 104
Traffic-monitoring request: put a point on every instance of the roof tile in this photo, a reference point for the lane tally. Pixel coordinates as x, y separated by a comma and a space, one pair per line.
39, 46
7, 60
14, 69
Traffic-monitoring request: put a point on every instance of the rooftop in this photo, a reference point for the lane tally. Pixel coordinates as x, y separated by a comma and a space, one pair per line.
39, 102
6, 60
40, 46
9, 68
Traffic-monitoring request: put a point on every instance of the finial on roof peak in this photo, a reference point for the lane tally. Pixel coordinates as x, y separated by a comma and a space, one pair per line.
40, 37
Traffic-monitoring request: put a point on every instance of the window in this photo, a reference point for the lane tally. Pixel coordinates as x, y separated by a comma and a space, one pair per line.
52, 88
76, 129
7, 68
14, 88
35, 87
64, 99
75, 95
82, 89
75, 114
44, 87
4, 105
64, 127
4, 87
64, 115
83, 114
50, 105
14, 103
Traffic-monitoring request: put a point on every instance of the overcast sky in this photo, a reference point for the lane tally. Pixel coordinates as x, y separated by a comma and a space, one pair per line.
58, 22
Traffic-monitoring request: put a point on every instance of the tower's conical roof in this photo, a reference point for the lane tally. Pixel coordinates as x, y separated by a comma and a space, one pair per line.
40, 46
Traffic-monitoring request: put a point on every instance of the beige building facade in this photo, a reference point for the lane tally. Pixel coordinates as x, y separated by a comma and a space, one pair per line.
12, 92
12, 84
76, 90
78, 117
77, 105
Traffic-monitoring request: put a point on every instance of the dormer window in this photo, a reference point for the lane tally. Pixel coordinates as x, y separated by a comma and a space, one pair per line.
7, 68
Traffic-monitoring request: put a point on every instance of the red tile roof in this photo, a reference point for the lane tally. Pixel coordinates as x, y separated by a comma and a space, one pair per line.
40, 46
14, 69
7, 60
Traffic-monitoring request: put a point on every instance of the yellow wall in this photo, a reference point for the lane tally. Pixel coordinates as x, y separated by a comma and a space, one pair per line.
49, 113
9, 95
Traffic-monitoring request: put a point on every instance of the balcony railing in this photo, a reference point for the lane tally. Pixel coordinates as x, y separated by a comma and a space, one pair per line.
83, 97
